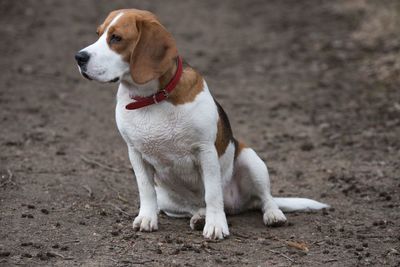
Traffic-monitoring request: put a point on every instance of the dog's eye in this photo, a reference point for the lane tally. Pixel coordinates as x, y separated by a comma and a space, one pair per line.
115, 39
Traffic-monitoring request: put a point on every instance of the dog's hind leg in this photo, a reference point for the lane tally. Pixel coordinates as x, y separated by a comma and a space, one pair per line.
198, 220
251, 174
170, 205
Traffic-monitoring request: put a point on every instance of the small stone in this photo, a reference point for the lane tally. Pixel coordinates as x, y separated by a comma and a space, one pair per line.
27, 255
307, 146
4, 254
365, 244
359, 249
30, 206
115, 233
26, 244
50, 254
64, 248
26, 69
60, 153
42, 256
325, 251
44, 211
175, 252
36, 245
55, 246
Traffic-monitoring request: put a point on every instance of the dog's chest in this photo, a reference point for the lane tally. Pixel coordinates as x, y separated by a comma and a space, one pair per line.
155, 134
165, 135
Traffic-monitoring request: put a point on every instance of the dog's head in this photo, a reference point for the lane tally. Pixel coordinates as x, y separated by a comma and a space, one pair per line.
132, 45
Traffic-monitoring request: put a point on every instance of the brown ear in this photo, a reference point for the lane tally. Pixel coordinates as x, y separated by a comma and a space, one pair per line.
154, 52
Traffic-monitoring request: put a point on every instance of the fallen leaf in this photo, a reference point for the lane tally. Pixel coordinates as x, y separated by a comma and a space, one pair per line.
298, 245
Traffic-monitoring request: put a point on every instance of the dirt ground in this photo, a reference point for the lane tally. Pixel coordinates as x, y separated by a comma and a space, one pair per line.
312, 86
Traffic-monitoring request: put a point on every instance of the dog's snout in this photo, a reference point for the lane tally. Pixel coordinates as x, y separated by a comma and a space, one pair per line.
82, 58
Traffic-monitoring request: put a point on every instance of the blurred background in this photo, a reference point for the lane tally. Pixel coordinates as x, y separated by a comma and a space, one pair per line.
312, 86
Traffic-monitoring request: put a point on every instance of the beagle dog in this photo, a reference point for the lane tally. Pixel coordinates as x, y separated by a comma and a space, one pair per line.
186, 161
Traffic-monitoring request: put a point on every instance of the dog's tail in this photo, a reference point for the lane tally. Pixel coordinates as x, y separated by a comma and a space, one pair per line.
289, 204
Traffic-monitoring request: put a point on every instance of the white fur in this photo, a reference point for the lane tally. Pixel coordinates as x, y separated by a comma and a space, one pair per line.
289, 204
105, 64
171, 141
172, 151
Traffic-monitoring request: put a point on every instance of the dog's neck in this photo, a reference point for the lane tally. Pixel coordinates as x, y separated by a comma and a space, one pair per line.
151, 87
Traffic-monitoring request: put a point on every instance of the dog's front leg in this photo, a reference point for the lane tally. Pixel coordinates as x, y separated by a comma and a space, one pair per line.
147, 217
216, 226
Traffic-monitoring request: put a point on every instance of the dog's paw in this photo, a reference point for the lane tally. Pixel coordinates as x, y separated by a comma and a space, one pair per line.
274, 217
198, 221
216, 226
145, 223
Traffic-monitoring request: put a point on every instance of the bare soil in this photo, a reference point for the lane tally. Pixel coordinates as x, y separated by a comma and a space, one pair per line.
312, 86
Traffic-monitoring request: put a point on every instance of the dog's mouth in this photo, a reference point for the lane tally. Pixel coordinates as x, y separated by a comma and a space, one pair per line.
86, 76
114, 80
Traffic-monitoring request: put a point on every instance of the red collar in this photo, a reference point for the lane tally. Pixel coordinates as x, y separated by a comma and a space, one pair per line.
161, 95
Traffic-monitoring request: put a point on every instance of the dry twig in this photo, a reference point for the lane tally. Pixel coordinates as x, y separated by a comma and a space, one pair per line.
99, 164
61, 256
71, 241
281, 254
120, 210
90, 193
330, 260
298, 245
9, 179
240, 235
122, 198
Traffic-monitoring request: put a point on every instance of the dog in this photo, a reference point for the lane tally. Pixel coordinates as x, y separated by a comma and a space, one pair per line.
186, 161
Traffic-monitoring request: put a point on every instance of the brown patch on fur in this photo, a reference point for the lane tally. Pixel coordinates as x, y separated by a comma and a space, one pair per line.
239, 146
222, 141
127, 30
189, 86
102, 27
145, 43
224, 131
154, 52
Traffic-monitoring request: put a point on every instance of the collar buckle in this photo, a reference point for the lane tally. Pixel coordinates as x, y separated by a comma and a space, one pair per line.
165, 93
155, 99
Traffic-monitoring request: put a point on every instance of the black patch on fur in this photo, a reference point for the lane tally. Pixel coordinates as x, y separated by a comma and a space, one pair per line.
228, 129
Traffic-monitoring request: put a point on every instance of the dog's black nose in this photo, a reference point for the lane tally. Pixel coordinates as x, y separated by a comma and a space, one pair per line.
82, 58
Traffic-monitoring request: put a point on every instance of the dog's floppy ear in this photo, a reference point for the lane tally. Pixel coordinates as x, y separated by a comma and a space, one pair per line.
153, 53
